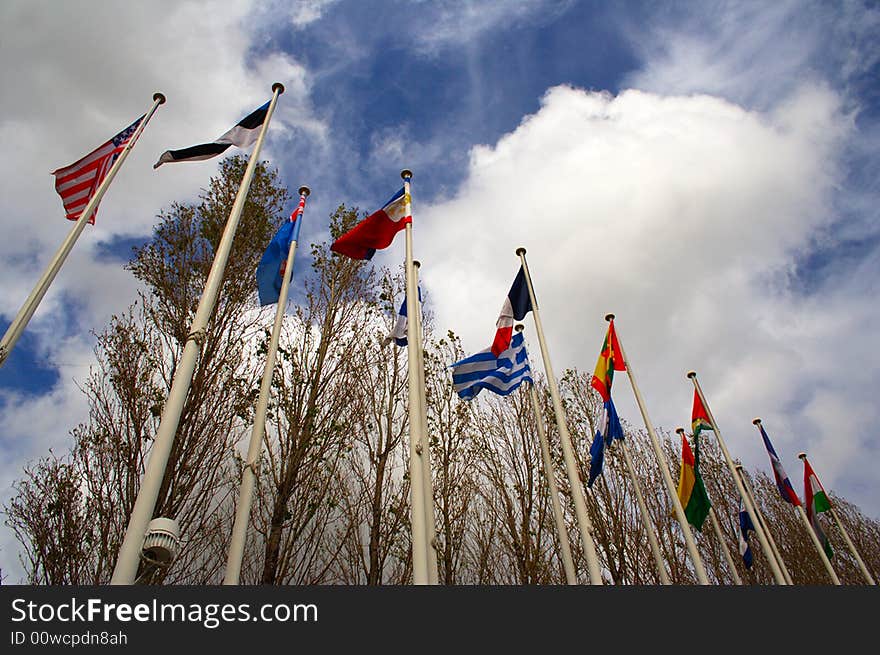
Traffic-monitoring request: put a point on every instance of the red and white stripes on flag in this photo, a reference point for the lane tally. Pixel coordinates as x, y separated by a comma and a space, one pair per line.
77, 183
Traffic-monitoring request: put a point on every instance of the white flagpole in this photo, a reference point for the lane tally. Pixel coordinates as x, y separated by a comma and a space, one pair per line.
748, 487
809, 528
13, 332
646, 517
577, 490
425, 450
418, 519
750, 508
718, 533
255, 447
129, 553
691, 545
724, 549
550, 476
852, 548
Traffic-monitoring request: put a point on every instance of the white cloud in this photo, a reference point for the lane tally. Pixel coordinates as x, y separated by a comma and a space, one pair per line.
684, 216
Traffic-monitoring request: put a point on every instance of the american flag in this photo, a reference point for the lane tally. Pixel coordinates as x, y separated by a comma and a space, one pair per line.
77, 183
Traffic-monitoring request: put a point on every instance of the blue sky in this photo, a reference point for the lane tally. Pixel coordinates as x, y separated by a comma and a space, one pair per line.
707, 171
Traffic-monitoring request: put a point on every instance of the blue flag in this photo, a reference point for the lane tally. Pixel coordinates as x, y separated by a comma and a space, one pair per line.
271, 267
611, 430
597, 457
745, 525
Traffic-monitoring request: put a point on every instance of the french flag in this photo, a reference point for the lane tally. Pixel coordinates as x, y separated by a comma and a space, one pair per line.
516, 306
376, 231
787, 492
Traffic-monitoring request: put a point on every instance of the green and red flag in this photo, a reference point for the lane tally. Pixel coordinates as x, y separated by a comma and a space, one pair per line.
691, 490
816, 502
699, 417
610, 360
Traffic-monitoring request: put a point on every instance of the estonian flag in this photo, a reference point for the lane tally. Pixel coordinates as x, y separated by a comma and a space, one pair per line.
243, 134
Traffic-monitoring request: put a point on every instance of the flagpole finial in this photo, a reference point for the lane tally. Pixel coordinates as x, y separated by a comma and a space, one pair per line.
406, 173
802, 456
160, 97
519, 327
691, 374
679, 430
520, 251
756, 421
304, 191
609, 317
278, 86
417, 263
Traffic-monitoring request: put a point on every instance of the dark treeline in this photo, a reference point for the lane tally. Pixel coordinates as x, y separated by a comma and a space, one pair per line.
332, 503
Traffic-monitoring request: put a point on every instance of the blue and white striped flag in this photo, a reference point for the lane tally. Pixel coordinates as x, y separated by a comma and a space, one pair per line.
501, 375
398, 332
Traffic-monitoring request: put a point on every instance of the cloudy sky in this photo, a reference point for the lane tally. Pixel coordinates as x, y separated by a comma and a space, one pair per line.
706, 171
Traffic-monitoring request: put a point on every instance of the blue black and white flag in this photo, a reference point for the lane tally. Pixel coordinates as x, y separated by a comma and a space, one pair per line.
243, 134
501, 375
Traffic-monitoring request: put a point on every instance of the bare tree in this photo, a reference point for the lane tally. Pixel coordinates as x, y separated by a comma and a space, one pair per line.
137, 356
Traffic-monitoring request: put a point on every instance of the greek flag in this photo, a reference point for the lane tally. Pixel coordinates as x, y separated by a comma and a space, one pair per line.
501, 375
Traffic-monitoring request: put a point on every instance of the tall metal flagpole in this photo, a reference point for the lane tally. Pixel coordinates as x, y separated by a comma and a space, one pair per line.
418, 520
425, 451
13, 332
550, 476
727, 558
849, 543
577, 490
646, 517
748, 487
129, 553
750, 508
691, 545
822, 555
255, 447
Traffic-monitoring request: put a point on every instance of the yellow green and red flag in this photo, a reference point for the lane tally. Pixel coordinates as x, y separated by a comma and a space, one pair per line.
699, 417
610, 360
691, 490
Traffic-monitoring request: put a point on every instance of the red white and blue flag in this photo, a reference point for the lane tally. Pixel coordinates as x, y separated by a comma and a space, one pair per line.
77, 183
377, 230
787, 492
516, 306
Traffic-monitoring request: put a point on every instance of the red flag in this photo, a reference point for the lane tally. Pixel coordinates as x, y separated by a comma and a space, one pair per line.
376, 231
